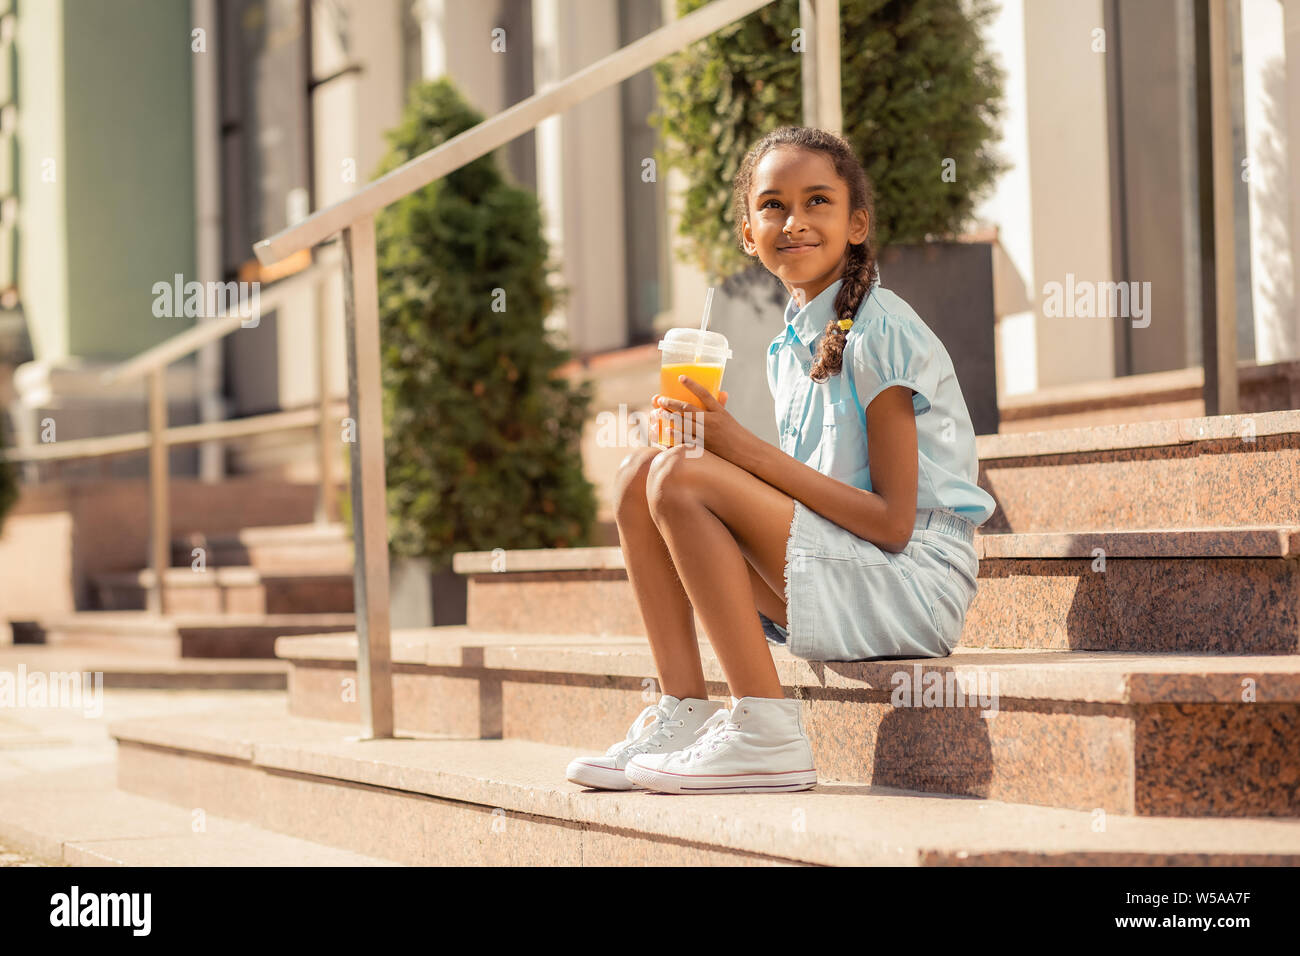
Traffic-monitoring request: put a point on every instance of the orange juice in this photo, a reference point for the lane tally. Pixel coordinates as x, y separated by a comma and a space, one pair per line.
710, 376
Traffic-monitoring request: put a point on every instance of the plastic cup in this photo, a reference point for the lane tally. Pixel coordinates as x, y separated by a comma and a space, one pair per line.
696, 354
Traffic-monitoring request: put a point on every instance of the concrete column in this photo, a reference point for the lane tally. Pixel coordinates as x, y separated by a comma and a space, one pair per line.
355, 61
456, 41
687, 285
1069, 180
432, 17
207, 221
580, 176
1274, 30
1009, 207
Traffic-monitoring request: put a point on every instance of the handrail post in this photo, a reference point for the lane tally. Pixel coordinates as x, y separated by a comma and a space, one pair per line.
1218, 172
326, 494
159, 507
368, 487
822, 108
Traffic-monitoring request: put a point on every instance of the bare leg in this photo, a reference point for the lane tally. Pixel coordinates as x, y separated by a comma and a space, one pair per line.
771, 603
665, 608
718, 520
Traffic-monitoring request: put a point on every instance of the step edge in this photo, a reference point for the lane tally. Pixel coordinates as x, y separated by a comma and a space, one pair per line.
1259, 540
772, 840
1128, 435
1068, 677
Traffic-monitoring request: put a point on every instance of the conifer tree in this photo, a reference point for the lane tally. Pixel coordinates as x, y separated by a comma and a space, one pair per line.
482, 438
921, 97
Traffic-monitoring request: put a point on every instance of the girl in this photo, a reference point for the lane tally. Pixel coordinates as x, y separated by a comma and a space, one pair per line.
842, 561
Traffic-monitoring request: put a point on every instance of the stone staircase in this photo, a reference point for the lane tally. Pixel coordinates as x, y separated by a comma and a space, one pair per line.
1127, 692
252, 587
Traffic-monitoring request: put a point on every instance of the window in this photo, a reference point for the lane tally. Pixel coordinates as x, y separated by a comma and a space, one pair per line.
265, 127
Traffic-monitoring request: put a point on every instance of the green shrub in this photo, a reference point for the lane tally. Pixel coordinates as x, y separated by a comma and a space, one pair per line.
917, 87
482, 439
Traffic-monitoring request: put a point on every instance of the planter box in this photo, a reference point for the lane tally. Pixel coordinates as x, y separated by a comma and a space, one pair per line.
420, 598
950, 285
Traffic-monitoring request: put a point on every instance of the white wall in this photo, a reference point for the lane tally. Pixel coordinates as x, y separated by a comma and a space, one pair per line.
1009, 207
580, 174
1069, 179
1264, 69
349, 115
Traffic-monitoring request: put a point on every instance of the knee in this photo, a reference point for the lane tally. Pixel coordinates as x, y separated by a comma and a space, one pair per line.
667, 482
630, 484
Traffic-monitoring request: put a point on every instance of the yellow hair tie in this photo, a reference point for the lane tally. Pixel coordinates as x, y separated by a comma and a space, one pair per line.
846, 323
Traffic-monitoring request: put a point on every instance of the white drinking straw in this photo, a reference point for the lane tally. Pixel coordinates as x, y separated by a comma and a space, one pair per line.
704, 323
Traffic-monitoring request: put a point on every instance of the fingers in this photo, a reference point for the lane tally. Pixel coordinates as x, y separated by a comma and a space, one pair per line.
708, 402
661, 401
692, 386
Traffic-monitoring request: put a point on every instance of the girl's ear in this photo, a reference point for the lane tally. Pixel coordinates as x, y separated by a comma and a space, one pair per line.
747, 237
860, 226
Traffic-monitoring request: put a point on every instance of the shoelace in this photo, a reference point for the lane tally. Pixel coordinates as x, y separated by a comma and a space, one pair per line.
716, 729
638, 737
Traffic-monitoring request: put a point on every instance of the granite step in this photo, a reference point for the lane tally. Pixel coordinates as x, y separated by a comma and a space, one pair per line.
1210, 590
1212, 471
79, 818
120, 669
1146, 397
1129, 734
451, 800
186, 635
307, 547
229, 589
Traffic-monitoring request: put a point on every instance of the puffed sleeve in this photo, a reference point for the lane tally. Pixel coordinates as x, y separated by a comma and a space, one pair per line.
894, 350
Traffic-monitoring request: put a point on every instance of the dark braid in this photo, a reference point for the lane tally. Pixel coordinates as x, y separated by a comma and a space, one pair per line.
859, 275
860, 272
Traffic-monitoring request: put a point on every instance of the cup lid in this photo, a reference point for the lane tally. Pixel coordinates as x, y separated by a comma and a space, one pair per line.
715, 343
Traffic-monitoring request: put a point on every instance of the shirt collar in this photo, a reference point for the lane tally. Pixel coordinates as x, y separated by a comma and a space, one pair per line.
810, 321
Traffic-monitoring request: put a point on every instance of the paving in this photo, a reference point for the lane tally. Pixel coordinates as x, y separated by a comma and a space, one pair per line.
59, 802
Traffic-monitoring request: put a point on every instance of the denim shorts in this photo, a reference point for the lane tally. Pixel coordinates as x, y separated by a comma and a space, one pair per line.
848, 600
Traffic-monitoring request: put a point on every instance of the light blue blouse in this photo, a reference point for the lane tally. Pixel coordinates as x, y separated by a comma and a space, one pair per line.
824, 426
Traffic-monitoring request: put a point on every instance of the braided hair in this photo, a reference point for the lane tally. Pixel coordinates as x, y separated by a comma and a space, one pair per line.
860, 272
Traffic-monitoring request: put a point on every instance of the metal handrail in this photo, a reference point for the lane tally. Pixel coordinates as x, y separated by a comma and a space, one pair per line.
151, 365
176, 436
217, 327
354, 218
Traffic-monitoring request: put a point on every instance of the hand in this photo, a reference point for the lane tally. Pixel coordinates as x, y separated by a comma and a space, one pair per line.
661, 419
711, 427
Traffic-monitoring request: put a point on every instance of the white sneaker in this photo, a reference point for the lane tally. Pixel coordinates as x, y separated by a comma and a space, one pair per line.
674, 724
759, 746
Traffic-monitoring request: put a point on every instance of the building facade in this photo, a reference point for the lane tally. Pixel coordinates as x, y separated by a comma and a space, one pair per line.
142, 140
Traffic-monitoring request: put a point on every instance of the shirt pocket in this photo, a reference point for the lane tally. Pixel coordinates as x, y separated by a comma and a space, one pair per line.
843, 450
